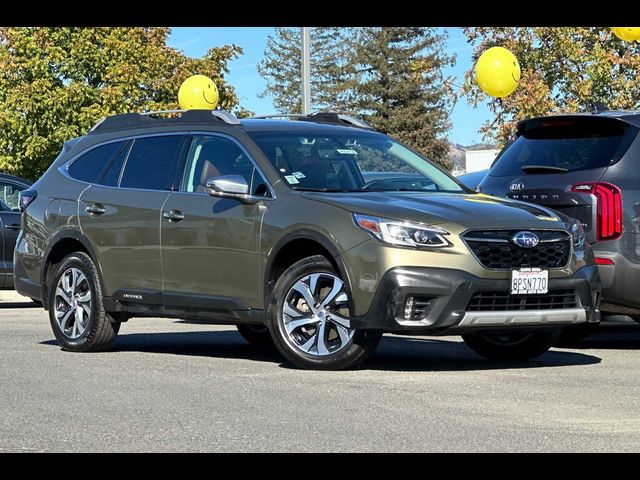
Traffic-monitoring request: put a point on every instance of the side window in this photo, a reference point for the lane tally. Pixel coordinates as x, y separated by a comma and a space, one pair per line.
152, 162
111, 177
9, 196
90, 166
213, 156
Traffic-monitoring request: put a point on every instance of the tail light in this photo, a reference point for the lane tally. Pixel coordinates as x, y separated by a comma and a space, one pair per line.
608, 208
26, 198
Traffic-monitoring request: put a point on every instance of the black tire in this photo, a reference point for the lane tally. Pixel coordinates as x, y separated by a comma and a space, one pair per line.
356, 350
101, 330
576, 333
514, 347
258, 335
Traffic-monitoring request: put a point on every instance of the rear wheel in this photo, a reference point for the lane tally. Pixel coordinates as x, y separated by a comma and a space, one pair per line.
257, 335
511, 346
76, 311
309, 318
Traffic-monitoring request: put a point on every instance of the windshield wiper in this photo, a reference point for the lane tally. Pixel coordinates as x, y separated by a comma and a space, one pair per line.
312, 189
543, 169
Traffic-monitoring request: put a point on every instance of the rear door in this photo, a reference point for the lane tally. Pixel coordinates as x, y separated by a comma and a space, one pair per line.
552, 155
120, 214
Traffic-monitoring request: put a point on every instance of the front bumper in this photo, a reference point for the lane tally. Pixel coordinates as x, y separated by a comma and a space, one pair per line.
450, 291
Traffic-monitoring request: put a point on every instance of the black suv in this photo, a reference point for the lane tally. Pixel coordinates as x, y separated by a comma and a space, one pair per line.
10, 189
586, 166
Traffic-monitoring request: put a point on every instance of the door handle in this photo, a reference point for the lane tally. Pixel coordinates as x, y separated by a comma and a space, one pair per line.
13, 226
95, 210
173, 215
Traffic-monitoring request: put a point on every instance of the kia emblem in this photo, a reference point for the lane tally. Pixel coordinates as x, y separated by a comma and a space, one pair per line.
516, 186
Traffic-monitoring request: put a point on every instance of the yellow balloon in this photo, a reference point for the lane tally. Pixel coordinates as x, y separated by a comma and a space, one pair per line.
497, 72
198, 93
628, 34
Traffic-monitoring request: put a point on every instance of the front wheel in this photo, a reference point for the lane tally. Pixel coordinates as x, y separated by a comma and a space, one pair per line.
309, 321
511, 346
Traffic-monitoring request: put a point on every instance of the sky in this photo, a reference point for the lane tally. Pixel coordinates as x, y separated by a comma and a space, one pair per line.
195, 41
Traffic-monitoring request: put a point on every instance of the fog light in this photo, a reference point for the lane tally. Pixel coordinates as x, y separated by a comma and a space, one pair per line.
408, 308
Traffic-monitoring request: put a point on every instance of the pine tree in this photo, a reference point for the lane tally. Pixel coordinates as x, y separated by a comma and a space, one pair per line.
401, 89
330, 74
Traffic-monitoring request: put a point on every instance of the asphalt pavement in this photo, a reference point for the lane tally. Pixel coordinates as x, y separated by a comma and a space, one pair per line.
173, 385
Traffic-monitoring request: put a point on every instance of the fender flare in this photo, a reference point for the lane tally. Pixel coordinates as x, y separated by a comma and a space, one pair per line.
67, 233
305, 234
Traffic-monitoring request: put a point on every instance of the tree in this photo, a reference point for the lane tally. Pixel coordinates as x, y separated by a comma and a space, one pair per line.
330, 74
55, 83
401, 89
563, 70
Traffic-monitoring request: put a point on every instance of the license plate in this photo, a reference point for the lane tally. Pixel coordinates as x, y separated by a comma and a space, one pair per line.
527, 281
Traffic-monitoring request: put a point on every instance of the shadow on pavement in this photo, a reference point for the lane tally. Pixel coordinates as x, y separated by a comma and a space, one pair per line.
393, 353
610, 336
19, 305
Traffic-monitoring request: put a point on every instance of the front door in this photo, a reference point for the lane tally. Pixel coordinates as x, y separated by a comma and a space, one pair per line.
121, 217
210, 245
9, 229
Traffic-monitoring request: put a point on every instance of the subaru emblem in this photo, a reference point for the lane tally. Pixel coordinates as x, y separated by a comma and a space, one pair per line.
525, 239
516, 186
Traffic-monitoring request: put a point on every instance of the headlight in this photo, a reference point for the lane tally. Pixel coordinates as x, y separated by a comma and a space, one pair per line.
577, 233
407, 234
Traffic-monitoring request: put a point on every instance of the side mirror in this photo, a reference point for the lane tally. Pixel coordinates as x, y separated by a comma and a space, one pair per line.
230, 186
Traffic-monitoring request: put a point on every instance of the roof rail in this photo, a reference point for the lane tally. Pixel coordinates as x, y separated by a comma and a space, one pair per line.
148, 119
321, 117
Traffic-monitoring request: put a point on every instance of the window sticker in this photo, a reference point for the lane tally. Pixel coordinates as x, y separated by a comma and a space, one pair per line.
291, 179
299, 175
346, 151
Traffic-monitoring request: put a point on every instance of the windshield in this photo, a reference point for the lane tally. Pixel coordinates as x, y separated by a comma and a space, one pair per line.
353, 162
565, 145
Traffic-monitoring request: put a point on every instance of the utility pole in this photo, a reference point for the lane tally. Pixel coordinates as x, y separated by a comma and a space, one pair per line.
306, 72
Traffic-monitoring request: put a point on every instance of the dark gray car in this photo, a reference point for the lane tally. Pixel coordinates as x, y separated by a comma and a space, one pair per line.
10, 189
585, 166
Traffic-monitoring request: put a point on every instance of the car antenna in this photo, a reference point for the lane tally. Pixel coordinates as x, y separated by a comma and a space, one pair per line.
597, 107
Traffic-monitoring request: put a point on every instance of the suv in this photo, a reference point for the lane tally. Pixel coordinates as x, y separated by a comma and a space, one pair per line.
315, 233
584, 166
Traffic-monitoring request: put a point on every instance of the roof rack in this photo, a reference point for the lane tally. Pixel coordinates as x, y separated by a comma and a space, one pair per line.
149, 119
321, 117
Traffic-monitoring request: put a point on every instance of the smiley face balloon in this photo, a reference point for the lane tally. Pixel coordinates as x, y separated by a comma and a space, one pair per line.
198, 93
628, 34
497, 72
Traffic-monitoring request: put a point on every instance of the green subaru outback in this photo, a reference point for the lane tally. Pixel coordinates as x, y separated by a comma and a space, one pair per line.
315, 234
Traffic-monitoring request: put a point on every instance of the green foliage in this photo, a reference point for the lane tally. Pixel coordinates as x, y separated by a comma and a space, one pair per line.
564, 69
282, 67
55, 83
391, 76
401, 89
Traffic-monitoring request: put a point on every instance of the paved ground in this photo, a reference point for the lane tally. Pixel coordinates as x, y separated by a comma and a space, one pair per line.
177, 386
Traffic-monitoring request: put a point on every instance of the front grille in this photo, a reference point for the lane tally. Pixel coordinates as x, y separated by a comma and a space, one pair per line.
496, 250
501, 301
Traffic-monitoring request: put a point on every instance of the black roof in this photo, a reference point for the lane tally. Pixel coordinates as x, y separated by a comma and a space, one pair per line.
13, 178
219, 118
630, 116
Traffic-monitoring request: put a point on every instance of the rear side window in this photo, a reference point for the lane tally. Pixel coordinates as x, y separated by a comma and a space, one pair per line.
90, 166
110, 179
152, 162
565, 145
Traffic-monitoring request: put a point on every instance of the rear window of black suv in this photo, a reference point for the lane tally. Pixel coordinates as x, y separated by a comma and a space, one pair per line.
565, 144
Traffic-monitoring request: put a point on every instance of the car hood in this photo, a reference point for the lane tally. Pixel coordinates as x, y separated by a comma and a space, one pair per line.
464, 210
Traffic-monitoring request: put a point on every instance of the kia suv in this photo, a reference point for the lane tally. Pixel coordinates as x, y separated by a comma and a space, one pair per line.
315, 234
584, 166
